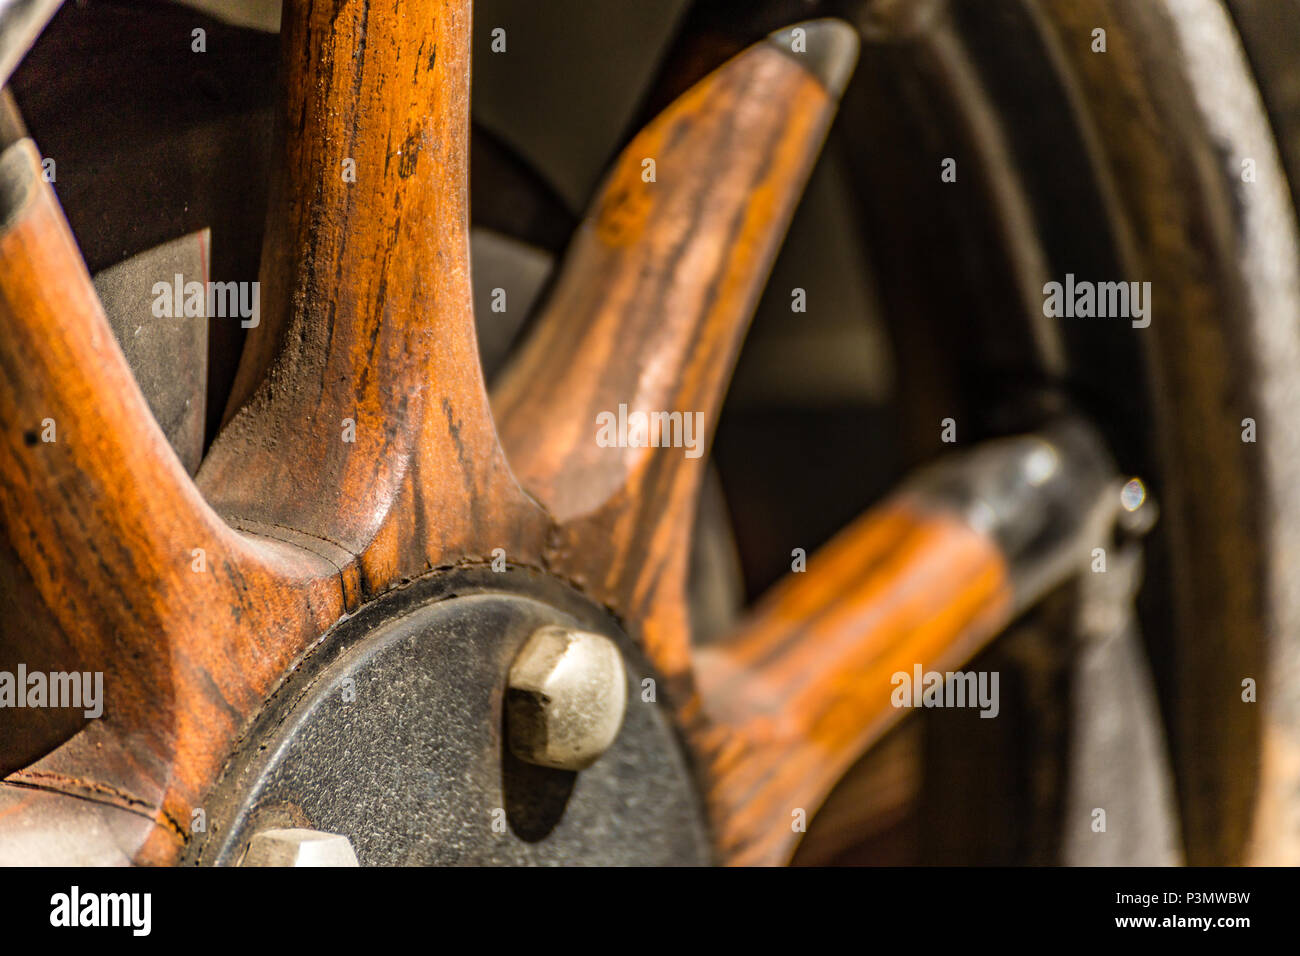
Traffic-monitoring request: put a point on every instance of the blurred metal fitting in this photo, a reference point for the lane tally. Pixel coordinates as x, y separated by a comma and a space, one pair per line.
1048, 499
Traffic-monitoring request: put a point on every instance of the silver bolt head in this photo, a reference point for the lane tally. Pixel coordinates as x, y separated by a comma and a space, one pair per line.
299, 848
566, 698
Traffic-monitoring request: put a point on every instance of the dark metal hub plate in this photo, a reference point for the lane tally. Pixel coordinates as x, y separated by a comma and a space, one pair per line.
391, 733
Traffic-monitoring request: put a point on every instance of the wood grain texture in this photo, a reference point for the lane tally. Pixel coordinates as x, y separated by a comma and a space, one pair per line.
802, 688
652, 305
106, 523
368, 313
367, 317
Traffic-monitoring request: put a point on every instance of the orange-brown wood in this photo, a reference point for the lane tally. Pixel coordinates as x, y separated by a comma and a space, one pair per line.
367, 318
359, 424
191, 623
803, 687
649, 314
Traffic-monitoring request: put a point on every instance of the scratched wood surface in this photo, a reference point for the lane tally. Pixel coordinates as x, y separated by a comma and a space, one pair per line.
360, 449
109, 527
368, 315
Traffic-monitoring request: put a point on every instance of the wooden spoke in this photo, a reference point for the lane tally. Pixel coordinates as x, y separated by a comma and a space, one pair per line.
649, 315
359, 423
799, 690
360, 452
803, 687
191, 623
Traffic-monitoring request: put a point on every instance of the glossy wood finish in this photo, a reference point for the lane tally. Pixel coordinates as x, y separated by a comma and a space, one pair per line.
649, 313
803, 687
368, 313
109, 527
366, 316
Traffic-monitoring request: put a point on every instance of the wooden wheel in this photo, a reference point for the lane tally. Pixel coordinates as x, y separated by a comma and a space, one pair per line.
361, 456
360, 450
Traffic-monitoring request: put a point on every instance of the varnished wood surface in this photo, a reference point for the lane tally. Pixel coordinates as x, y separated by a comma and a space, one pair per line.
366, 316
803, 687
107, 524
653, 302
368, 312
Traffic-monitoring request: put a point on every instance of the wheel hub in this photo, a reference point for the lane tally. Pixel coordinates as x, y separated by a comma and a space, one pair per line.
392, 733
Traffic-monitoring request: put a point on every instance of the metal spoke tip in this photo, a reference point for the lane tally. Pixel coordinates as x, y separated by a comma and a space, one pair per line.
826, 48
